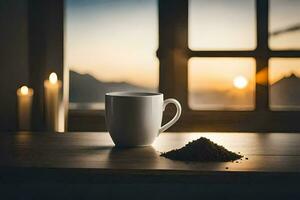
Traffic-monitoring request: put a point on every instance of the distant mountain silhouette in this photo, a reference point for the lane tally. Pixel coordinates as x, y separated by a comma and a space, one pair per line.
286, 91
284, 94
85, 88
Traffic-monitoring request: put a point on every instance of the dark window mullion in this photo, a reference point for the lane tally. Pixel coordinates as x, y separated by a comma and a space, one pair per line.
285, 54
222, 53
262, 56
173, 45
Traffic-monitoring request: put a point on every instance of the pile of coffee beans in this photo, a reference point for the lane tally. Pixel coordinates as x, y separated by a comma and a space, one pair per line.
202, 150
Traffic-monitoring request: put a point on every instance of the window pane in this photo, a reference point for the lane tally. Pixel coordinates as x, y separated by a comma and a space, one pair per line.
284, 83
222, 24
221, 83
110, 45
284, 24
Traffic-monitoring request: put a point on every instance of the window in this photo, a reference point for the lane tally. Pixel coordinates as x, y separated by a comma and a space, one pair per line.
209, 88
284, 83
222, 24
110, 46
221, 59
284, 24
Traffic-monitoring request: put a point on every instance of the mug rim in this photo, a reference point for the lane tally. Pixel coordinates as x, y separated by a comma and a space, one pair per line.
133, 94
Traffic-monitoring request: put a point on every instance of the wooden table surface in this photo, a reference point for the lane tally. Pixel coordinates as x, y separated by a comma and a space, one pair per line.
94, 153
86, 165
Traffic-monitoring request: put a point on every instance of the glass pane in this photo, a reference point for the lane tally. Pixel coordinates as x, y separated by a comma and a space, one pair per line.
284, 24
284, 80
222, 24
221, 83
110, 45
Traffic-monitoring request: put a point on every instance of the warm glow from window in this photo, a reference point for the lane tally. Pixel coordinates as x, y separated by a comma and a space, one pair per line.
24, 90
240, 82
53, 78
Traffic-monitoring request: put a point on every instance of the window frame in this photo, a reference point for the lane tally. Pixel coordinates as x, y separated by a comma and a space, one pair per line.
173, 55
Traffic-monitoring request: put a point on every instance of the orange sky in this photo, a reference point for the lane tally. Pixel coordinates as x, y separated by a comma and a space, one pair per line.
218, 73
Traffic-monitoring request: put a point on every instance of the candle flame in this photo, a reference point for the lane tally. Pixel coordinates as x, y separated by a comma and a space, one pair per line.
24, 90
53, 78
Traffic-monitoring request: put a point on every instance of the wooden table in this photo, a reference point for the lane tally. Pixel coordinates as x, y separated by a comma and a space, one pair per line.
85, 160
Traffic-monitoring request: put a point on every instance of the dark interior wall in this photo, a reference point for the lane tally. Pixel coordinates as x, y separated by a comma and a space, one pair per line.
13, 58
45, 51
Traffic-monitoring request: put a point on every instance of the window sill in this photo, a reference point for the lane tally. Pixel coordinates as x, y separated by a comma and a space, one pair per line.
259, 121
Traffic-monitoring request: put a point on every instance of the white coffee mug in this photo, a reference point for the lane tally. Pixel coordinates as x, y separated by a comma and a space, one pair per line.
134, 118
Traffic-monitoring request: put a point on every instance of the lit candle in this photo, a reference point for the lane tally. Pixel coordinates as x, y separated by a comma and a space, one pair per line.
52, 98
24, 95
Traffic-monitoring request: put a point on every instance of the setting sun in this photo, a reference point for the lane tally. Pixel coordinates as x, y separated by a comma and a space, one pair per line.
240, 82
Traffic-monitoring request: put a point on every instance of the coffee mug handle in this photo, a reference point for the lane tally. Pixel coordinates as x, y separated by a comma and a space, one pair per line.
175, 118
